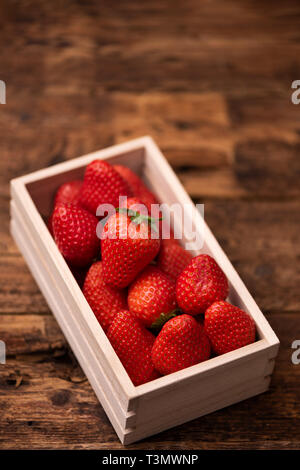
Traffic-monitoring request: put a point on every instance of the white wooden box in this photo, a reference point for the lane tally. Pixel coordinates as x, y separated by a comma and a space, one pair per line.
136, 412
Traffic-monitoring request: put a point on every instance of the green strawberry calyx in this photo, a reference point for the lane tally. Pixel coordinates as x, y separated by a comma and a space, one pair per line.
163, 318
138, 218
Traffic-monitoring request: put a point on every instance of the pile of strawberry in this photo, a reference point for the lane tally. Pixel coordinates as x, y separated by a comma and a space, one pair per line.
161, 309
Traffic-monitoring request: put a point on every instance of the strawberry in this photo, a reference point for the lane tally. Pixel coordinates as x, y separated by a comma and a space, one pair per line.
167, 235
104, 300
102, 184
151, 297
75, 234
181, 343
126, 247
200, 284
136, 185
228, 327
140, 190
68, 192
136, 205
172, 259
133, 343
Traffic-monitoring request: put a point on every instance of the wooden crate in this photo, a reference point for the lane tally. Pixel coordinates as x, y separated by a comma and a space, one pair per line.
136, 412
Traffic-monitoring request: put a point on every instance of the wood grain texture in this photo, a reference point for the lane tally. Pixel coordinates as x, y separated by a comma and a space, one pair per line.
18, 292
25, 334
211, 83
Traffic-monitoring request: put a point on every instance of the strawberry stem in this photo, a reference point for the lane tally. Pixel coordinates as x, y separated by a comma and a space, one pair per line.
138, 218
163, 318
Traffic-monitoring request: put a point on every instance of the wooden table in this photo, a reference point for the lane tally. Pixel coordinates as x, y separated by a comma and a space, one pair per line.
211, 82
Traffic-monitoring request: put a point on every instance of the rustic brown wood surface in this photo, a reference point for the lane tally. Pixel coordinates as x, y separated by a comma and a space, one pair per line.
211, 82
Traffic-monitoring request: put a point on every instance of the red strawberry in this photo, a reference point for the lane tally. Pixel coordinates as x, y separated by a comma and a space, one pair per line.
133, 343
140, 190
102, 184
172, 259
151, 297
126, 247
75, 234
228, 327
181, 343
200, 284
167, 235
68, 192
104, 300
137, 186
136, 205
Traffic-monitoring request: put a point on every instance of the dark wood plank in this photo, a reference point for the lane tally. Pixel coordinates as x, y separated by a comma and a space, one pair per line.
158, 46
260, 169
219, 151
25, 334
59, 138
41, 404
261, 240
185, 128
185, 125
18, 291
7, 246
